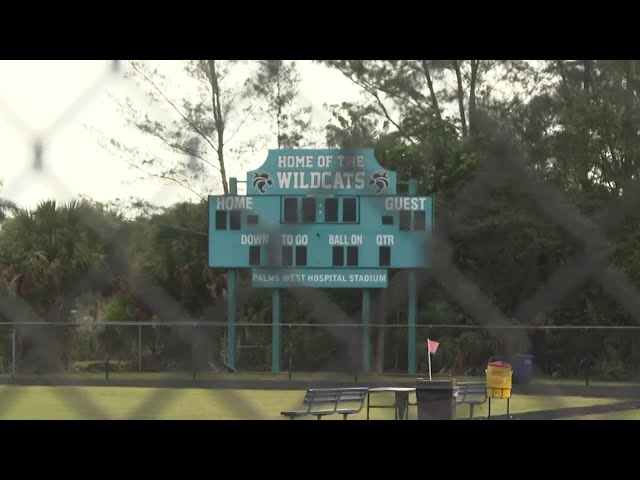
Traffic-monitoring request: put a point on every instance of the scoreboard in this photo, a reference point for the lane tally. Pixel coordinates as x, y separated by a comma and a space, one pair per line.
325, 214
319, 232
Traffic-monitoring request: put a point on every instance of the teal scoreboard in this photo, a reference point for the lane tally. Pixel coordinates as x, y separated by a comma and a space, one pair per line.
320, 218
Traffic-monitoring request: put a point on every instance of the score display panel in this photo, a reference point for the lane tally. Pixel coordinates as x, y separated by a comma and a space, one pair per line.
320, 232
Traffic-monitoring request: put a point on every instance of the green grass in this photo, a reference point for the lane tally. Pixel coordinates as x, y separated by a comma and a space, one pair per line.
626, 415
530, 403
67, 403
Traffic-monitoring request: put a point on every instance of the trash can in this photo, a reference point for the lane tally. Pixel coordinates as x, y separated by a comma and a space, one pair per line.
436, 399
522, 368
499, 374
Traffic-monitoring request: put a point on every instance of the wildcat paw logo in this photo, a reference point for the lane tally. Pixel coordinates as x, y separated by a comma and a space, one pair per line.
379, 181
261, 181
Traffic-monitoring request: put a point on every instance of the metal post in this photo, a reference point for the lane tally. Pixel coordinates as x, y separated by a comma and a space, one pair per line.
413, 305
13, 352
290, 351
366, 330
411, 321
106, 363
140, 348
193, 353
231, 319
275, 330
231, 299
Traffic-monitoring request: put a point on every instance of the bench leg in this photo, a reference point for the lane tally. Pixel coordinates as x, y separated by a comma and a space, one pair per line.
319, 417
471, 410
368, 402
402, 405
345, 416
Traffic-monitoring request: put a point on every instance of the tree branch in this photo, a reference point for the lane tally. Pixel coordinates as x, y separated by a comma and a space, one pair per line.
563, 75
432, 92
388, 116
587, 65
179, 147
371, 91
165, 177
414, 97
475, 67
219, 121
185, 118
242, 123
460, 95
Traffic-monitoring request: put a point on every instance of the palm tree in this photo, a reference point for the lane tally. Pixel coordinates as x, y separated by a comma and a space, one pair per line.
45, 257
6, 207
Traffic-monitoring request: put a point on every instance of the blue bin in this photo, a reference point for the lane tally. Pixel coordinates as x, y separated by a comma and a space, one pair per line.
522, 368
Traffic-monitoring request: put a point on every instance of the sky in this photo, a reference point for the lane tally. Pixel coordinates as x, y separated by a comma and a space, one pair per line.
65, 104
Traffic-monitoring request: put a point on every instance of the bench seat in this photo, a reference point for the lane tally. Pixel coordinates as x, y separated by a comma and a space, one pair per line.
321, 402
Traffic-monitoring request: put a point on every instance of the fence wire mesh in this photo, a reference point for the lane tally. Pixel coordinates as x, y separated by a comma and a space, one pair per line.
44, 344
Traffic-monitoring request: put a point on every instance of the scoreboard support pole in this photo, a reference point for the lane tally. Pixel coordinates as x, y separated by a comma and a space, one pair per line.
411, 321
412, 307
231, 299
276, 329
231, 318
366, 330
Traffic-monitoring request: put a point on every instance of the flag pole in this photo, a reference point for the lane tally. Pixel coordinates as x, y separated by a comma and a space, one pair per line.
429, 356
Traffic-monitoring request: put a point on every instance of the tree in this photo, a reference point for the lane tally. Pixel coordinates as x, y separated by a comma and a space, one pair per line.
173, 248
277, 82
6, 207
194, 127
411, 95
48, 257
200, 127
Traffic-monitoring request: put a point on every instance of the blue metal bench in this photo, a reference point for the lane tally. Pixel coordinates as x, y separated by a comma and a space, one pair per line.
321, 402
472, 394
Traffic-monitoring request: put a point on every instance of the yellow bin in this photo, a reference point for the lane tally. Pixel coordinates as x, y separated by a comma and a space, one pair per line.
499, 379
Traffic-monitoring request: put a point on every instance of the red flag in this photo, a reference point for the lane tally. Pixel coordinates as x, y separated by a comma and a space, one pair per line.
432, 345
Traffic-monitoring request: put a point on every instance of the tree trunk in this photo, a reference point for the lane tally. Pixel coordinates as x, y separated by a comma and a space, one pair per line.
585, 180
432, 92
279, 112
587, 75
463, 117
628, 115
219, 121
475, 66
563, 75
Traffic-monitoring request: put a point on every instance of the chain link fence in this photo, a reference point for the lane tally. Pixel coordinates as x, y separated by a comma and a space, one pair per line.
35, 341
107, 349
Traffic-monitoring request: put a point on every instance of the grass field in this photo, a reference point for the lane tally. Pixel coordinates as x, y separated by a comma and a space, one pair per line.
628, 415
62, 403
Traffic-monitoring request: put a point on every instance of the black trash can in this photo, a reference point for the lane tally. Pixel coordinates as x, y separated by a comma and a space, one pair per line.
436, 399
522, 369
